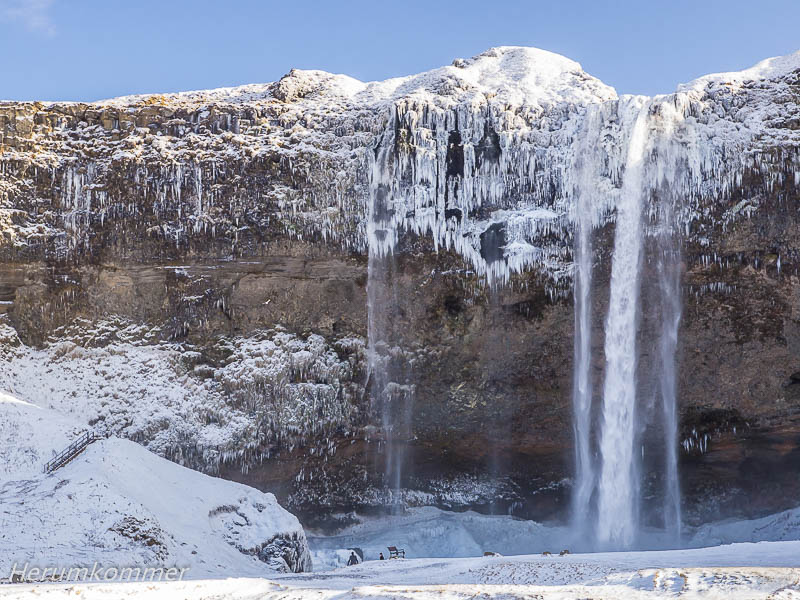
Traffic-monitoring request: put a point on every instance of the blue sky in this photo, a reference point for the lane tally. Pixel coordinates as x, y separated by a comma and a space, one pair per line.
88, 50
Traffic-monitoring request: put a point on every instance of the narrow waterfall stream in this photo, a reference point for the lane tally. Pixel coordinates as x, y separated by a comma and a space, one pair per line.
670, 288
585, 169
391, 397
678, 172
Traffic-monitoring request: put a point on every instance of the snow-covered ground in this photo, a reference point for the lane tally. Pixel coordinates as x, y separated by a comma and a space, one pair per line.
102, 507
772, 572
432, 533
119, 504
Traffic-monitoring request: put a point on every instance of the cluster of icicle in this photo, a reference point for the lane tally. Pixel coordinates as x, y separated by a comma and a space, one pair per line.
222, 173
453, 173
454, 170
295, 391
198, 199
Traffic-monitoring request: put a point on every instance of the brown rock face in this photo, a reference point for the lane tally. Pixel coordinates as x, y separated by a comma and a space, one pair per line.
229, 234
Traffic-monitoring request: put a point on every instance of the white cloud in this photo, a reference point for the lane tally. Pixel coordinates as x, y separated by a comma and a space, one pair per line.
33, 14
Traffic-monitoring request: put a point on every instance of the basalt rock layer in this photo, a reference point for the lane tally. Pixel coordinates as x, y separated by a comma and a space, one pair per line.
191, 271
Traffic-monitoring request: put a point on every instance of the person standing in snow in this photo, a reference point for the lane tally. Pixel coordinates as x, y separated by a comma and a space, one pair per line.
353, 560
381, 556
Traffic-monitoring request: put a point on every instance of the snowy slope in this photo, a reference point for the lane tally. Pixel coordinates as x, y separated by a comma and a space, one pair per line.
119, 504
29, 436
769, 68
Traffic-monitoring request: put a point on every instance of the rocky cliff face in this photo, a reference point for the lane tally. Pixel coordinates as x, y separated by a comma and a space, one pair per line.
191, 271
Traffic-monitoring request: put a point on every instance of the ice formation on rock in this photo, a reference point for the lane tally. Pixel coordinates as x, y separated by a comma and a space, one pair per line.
479, 158
512, 159
272, 391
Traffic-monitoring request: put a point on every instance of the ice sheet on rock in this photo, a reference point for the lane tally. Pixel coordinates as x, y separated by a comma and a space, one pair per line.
783, 526
430, 532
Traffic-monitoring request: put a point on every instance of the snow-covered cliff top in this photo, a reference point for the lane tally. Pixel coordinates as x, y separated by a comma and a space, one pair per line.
769, 68
454, 151
517, 75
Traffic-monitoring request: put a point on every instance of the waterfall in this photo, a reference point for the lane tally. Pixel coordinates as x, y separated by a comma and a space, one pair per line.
387, 395
617, 486
679, 167
669, 286
585, 167
377, 367
656, 147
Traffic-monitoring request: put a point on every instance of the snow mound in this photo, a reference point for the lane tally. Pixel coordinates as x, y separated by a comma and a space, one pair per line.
779, 527
118, 504
769, 68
